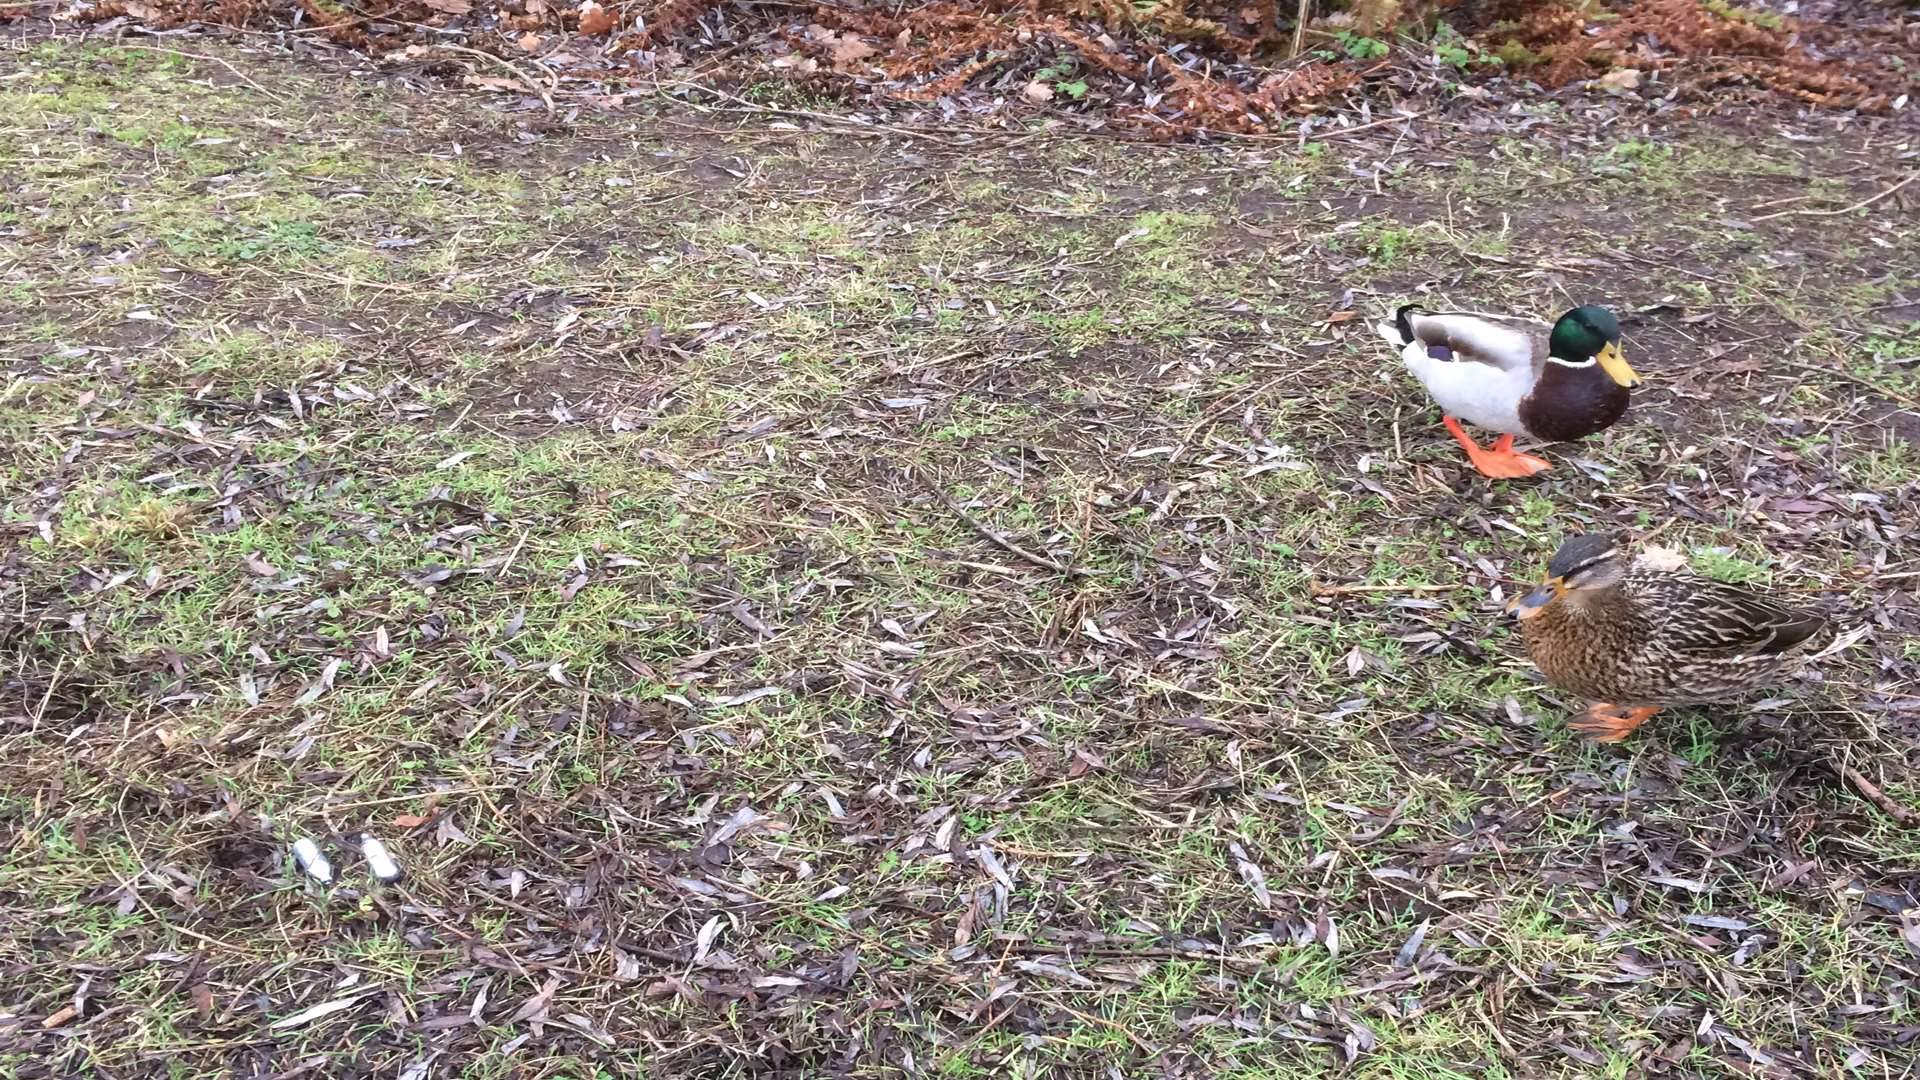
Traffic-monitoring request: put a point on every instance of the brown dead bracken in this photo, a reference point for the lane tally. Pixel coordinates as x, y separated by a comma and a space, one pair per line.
1169, 70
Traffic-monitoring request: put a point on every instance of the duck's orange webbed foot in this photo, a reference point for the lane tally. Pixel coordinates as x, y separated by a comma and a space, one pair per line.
1500, 461
1610, 723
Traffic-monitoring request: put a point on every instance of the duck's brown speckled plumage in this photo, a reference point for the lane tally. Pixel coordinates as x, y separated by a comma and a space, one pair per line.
1658, 638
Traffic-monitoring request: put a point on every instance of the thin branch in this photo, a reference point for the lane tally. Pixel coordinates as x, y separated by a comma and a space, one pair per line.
1869, 789
525, 79
237, 73
1336, 133
1861, 205
1011, 547
1343, 590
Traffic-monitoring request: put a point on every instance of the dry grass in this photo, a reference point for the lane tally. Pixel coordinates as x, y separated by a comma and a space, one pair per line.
813, 604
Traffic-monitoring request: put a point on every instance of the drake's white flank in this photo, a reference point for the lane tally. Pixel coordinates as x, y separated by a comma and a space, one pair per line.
1486, 392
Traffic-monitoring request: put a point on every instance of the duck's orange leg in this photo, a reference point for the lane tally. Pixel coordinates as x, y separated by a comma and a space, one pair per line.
1610, 723
1500, 462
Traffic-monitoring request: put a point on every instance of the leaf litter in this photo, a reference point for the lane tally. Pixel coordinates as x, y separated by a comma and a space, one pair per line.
1164, 70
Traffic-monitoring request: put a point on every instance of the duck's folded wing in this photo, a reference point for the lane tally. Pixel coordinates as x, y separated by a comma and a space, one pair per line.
1472, 337
1726, 621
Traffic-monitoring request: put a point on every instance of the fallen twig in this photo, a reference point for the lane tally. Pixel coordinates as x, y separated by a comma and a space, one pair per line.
1861, 205
976, 1036
1145, 1048
1869, 789
1884, 391
47, 698
1355, 129
525, 79
237, 73
861, 125
1011, 547
1343, 590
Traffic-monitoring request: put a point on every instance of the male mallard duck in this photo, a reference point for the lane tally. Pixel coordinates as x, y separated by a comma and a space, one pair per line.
1642, 638
1515, 377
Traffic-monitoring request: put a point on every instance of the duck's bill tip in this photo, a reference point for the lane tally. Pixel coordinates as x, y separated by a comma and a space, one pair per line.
1532, 603
1614, 363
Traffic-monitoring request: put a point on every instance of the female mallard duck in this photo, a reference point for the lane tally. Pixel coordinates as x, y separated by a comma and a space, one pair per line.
1641, 638
1515, 377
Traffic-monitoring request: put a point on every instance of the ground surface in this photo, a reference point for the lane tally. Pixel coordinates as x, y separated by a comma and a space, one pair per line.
827, 601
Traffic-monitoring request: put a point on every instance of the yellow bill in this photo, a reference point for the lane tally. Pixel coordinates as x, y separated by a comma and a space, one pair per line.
1614, 363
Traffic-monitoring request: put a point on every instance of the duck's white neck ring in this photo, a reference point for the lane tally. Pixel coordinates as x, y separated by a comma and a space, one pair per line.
1564, 362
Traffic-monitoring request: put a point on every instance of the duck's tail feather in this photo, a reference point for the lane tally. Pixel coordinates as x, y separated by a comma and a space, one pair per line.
1399, 332
1403, 321
1843, 641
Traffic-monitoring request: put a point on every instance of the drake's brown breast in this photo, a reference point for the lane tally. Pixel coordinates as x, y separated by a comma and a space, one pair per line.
1572, 403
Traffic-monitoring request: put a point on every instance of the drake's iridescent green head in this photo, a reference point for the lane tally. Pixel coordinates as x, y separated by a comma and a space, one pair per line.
1590, 334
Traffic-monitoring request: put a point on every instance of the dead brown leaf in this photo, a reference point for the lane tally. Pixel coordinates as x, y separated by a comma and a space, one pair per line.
1621, 79
595, 19
533, 1011
850, 47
